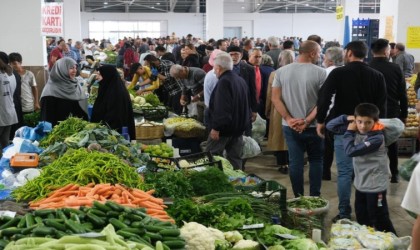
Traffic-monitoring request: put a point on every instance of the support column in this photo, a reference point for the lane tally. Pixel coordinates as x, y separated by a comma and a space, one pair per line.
72, 20
388, 19
214, 19
22, 33
408, 17
351, 10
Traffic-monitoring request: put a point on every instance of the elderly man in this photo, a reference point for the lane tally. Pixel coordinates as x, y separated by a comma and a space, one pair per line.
229, 111
294, 95
404, 60
192, 81
273, 44
247, 72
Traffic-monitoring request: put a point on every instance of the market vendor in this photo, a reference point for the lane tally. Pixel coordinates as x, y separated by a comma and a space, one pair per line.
63, 96
113, 104
150, 80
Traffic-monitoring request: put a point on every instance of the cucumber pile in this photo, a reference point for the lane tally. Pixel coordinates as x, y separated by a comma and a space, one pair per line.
132, 224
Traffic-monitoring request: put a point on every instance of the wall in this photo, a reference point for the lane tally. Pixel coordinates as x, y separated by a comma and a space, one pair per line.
170, 22
253, 24
408, 16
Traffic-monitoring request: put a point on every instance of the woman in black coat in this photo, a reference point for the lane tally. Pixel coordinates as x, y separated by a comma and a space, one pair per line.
113, 105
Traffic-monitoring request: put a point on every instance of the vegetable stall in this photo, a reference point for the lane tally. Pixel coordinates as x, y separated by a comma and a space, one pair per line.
95, 190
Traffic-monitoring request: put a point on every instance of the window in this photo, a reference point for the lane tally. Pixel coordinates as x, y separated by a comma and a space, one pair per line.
369, 6
114, 30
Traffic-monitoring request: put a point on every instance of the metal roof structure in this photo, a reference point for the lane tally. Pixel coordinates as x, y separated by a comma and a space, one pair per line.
230, 6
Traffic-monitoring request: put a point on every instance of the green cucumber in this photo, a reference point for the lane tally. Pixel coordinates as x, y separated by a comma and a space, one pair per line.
141, 240
29, 220
97, 221
22, 222
43, 231
56, 225
43, 212
75, 218
10, 231
137, 224
11, 223
60, 215
97, 212
17, 236
126, 234
136, 231
117, 223
101, 207
153, 236
39, 221
114, 206
28, 230
112, 214
172, 244
74, 227
171, 238
170, 232
153, 229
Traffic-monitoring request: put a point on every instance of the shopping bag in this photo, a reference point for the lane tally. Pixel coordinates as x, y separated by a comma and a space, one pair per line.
250, 147
258, 129
394, 128
407, 167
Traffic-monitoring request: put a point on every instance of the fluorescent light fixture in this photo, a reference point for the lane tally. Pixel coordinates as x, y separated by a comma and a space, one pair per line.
258, 4
307, 4
157, 3
105, 3
243, 7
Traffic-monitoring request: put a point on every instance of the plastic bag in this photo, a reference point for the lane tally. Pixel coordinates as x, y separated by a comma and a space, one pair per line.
394, 128
34, 134
408, 167
258, 129
250, 147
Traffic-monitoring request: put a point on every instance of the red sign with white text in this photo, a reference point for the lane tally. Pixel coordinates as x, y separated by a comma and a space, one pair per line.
52, 19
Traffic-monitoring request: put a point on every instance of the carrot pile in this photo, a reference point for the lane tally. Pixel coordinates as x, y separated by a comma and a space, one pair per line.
75, 196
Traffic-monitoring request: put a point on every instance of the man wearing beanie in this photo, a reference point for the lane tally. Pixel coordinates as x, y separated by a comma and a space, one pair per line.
247, 72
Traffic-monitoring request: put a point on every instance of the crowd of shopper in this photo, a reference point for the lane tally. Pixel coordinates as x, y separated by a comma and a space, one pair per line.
298, 86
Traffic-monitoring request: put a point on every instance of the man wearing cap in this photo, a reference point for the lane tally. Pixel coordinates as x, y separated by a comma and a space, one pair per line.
247, 72
171, 85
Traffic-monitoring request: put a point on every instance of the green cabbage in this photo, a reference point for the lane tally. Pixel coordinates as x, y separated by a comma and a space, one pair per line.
300, 244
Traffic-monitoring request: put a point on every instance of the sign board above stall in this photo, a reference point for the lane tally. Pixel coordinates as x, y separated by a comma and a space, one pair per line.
52, 19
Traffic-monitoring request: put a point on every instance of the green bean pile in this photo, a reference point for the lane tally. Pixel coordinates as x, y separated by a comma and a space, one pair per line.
78, 166
63, 130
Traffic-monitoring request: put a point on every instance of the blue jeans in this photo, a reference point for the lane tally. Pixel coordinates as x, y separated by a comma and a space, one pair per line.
344, 178
298, 143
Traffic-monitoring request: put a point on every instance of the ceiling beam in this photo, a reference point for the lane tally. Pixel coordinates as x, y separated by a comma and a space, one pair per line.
127, 8
289, 3
149, 7
172, 4
257, 9
106, 6
316, 7
82, 5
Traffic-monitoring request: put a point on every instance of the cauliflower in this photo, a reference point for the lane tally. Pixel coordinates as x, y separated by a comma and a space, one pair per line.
246, 245
199, 237
233, 236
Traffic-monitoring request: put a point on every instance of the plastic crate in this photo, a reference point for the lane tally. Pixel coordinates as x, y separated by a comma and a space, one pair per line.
268, 188
193, 158
406, 146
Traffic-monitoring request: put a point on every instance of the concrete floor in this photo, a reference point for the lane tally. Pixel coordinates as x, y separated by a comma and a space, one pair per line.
265, 167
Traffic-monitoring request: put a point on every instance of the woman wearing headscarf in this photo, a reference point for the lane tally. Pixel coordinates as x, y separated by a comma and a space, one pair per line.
63, 95
113, 104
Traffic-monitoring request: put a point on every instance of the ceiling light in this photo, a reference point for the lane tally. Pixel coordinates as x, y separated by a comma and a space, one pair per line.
157, 3
243, 7
258, 4
307, 4
105, 3
287, 8
153, 7
329, 7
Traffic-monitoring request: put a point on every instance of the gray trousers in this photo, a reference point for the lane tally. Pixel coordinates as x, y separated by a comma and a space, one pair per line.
4, 137
232, 145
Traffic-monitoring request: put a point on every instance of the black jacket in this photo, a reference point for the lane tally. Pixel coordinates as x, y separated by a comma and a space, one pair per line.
247, 72
229, 109
54, 109
395, 87
352, 84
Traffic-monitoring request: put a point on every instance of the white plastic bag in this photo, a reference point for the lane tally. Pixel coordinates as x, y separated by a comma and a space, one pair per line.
250, 147
394, 128
258, 129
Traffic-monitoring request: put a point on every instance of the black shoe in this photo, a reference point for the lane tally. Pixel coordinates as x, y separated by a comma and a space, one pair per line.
394, 179
326, 177
339, 217
284, 169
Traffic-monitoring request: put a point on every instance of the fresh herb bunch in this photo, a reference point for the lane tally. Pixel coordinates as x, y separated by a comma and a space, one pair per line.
307, 202
32, 119
212, 180
62, 130
172, 184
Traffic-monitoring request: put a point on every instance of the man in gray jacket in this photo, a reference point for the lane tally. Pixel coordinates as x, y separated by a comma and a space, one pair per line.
404, 60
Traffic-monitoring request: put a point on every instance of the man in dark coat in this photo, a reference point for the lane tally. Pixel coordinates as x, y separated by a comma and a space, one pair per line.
229, 112
396, 102
247, 72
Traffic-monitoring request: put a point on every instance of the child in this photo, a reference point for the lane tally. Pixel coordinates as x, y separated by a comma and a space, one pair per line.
150, 80
364, 141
